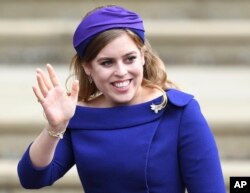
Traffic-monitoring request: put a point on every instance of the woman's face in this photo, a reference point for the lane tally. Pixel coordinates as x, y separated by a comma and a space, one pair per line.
117, 71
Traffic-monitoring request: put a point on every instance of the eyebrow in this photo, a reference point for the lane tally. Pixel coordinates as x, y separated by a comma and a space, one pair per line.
110, 58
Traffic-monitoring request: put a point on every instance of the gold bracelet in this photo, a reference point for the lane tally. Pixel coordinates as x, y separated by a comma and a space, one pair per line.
56, 134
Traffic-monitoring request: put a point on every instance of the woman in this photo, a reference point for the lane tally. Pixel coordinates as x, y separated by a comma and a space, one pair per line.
122, 124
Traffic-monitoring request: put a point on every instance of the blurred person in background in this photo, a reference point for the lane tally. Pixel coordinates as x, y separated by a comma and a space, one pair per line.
123, 124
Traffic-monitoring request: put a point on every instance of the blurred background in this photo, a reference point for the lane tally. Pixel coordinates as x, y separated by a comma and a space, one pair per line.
204, 43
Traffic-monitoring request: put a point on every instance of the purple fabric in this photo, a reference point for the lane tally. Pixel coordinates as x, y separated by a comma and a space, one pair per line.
104, 19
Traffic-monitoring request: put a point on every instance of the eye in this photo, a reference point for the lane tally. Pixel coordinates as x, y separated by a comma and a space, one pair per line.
130, 59
106, 63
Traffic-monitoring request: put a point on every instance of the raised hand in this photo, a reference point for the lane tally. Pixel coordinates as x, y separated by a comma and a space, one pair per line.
58, 106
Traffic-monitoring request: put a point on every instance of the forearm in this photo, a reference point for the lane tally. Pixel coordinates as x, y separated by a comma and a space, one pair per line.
43, 148
45, 160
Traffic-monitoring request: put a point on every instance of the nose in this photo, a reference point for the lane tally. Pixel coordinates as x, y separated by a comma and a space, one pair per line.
121, 69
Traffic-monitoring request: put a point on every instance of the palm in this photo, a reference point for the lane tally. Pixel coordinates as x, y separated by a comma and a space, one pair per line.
58, 106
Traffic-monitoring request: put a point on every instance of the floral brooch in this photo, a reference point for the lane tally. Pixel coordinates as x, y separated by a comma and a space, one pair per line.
157, 107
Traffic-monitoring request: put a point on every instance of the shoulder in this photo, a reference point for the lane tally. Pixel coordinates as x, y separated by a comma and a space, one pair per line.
179, 98
190, 108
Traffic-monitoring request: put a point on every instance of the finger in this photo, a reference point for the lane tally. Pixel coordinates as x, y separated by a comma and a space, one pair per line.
74, 90
52, 75
47, 83
41, 84
38, 94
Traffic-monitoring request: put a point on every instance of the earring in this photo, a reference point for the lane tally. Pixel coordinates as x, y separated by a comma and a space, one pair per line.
90, 79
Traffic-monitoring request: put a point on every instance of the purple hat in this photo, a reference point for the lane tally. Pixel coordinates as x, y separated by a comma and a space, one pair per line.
111, 17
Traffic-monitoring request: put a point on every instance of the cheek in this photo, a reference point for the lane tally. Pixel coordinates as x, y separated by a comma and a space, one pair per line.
139, 69
101, 76
137, 74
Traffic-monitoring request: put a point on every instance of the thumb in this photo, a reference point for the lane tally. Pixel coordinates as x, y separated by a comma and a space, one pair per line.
74, 90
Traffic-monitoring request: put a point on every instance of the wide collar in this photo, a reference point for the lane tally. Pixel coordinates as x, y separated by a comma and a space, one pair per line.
124, 116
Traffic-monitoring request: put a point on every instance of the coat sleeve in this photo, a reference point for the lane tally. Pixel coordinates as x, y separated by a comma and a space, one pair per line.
198, 154
32, 177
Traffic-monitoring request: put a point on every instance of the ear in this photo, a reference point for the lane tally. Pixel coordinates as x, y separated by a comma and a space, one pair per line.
87, 68
142, 57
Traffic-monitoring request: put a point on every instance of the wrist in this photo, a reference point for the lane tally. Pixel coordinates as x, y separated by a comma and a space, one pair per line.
56, 132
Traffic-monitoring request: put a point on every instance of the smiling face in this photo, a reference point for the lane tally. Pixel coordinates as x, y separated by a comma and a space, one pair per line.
117, 71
